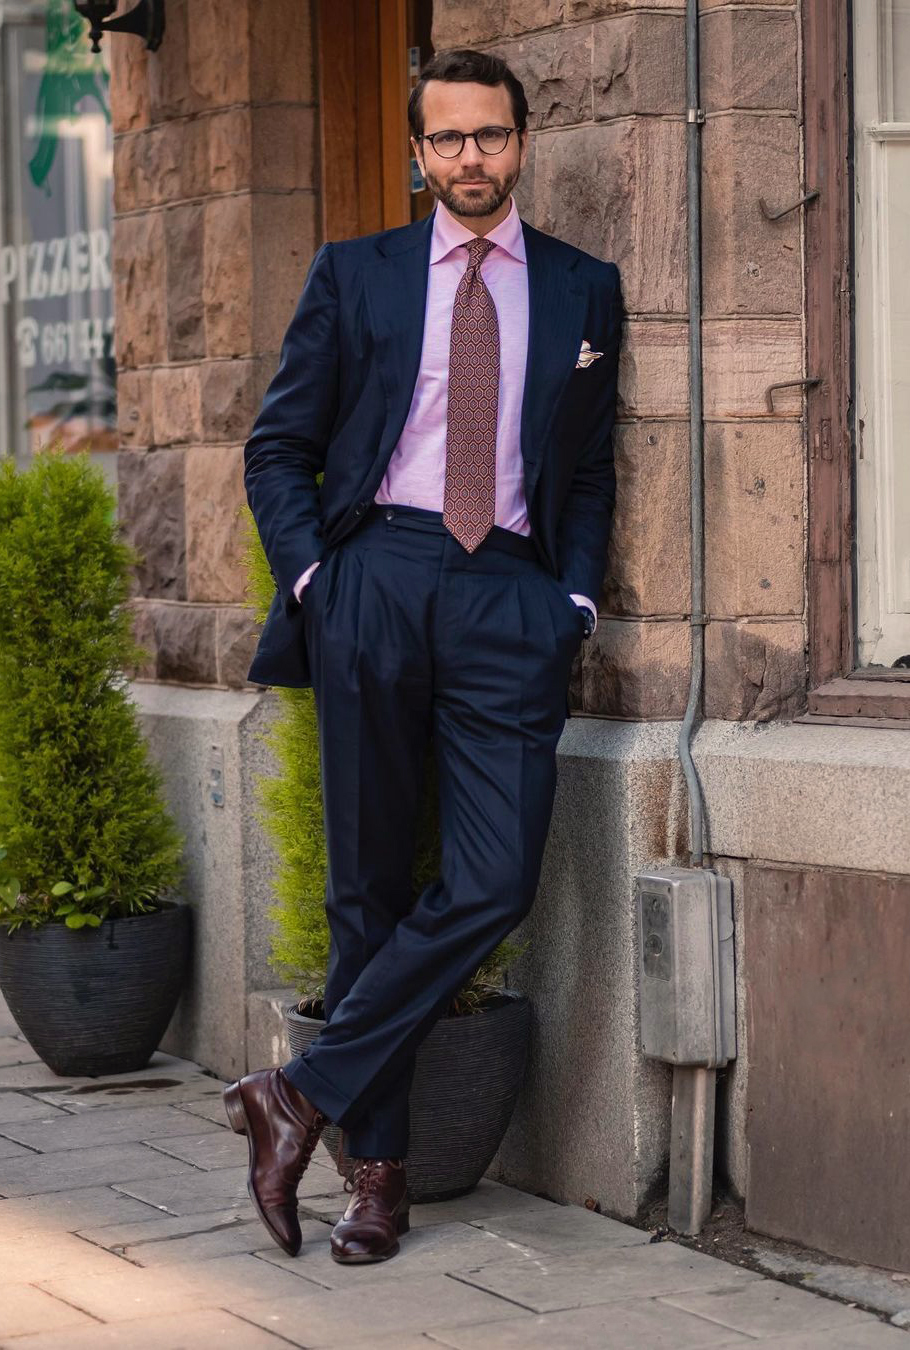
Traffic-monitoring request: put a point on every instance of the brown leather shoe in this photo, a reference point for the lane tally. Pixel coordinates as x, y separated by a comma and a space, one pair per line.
378, 1211
282, 1128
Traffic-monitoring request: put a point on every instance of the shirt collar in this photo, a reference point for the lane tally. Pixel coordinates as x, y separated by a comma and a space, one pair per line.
448, 233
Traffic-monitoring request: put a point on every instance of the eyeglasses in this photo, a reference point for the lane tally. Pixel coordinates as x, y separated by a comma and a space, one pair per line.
489, 140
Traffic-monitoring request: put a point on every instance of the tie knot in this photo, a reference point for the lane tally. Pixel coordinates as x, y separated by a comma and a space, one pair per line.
478, 250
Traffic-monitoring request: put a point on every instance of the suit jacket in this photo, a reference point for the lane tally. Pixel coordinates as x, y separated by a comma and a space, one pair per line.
342, 391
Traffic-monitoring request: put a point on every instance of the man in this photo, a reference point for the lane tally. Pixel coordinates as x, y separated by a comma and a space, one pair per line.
455, 381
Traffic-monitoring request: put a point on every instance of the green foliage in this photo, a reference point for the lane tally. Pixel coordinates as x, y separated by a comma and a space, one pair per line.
292, 814
83, 825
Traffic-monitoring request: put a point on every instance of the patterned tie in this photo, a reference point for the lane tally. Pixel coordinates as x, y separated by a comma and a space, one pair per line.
470, 487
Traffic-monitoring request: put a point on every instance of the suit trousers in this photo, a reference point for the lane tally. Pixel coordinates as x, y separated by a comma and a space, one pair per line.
410, 637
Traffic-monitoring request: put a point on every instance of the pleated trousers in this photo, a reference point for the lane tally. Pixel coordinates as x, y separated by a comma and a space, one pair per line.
410, 637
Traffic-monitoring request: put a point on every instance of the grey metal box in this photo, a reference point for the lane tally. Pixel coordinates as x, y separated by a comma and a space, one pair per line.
685, 967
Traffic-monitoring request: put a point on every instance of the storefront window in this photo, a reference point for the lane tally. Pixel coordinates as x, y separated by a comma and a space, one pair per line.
57, 365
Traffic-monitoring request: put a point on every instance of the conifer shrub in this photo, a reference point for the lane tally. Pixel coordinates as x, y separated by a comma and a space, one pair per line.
84, 830
290, 811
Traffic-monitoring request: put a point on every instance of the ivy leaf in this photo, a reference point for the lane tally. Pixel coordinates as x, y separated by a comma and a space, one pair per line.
61, 888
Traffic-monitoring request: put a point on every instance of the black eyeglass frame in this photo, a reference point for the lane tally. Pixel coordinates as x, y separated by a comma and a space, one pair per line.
472, 135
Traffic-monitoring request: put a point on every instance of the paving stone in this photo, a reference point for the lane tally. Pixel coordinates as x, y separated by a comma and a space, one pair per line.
209, 1149
563, 1229
27, 1311
16, 1106
91, 1129
152, 1226
200, 1192
28, 1258
8, 1024
204, 1330
242, 1239
67, 1211
626, 1324
63, 1171
165, 1080
207, 1108
10, 1149
875, 1336
433, 1249
36, 1075
771, 1308
16, 1050
330, 1317
487, 1199
158, 1292
553, 1283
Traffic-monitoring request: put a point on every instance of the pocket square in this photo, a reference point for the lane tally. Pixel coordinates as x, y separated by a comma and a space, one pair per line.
586, 356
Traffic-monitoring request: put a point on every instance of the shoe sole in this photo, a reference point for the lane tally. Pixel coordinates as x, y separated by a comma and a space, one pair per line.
363, 1258
237, 1119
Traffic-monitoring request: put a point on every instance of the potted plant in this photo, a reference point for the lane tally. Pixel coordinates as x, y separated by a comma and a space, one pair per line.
93, 945
470, 1065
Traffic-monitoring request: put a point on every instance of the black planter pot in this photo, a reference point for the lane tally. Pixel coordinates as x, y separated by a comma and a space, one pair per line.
95, 1001
469, 1070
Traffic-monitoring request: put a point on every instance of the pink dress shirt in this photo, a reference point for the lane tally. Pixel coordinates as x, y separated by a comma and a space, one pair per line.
415, 475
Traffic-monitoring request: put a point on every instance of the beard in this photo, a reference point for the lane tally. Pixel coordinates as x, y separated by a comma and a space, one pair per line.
478, 203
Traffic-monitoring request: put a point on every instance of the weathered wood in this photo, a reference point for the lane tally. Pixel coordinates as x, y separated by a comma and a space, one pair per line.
861, 698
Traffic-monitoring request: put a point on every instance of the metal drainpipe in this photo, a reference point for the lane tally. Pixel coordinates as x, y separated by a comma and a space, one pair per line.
697, 619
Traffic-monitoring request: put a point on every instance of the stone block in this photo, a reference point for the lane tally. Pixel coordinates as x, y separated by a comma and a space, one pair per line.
196, 1192
140, 289
28, 1311
135, 425
184, 236
236, 636
329, 1317
29, 1257
90, 1129
771, 1308
747, 59
617, 190
150, 510
176, 404
755, 263
464, 23
129, 89
637, 669
9, 1149
555, 69
596, 9
274, 30
285, 230
653, 369
214, 525
195, 1248
184, 643
230, 863
149, 1329
284, 148
171, 91
639, 65
753, 518
648, 1272
563, 1230
741, 358
227, 251
648, 561
230, 149
755, 670
16, 1107
217, 56
77, 1167
521, 16
144, 637
229, 392
15, 1049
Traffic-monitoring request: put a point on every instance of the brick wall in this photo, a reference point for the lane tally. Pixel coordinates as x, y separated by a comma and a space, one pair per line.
606, 84
215, 224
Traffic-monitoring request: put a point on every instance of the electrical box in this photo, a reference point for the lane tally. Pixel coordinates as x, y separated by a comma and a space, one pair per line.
685, 966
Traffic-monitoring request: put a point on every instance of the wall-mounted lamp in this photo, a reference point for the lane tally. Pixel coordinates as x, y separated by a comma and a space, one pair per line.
146, 20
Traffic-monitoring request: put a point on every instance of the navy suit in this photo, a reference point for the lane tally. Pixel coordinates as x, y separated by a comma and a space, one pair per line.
406, 637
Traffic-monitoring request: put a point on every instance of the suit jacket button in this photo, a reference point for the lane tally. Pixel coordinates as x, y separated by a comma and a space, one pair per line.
358, 509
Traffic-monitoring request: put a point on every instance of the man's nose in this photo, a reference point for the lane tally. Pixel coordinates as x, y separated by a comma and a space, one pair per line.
471, 155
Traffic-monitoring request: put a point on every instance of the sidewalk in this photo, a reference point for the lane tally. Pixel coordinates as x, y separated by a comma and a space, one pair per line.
125, 1222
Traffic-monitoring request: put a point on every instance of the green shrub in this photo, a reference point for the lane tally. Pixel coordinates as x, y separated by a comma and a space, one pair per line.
291, 813
84, 832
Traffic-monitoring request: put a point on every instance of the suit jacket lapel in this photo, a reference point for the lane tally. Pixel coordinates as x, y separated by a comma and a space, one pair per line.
395, 285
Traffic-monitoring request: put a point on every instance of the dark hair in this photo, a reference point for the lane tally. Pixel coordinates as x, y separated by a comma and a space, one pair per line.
463, 65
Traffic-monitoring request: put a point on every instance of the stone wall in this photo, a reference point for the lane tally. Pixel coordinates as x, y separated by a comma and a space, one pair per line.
605, 81
216, 221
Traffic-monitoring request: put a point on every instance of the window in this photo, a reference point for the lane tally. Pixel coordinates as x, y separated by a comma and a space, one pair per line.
57, 365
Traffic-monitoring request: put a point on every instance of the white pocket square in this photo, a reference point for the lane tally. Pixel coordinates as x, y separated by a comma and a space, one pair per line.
586, 356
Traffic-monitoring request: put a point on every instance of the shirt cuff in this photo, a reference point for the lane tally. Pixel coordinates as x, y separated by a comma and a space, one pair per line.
589, 604
302, 581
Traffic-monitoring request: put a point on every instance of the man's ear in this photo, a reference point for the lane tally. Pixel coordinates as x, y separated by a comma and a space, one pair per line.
415, 145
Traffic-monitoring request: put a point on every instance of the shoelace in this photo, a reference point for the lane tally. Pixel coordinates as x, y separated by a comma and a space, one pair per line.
365, 1177
314, 1129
